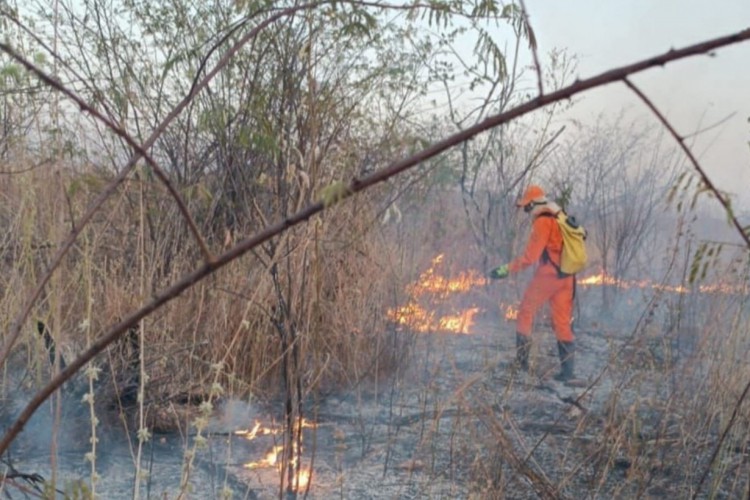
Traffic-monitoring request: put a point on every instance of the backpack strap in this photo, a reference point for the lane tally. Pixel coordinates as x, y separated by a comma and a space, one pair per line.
545, 258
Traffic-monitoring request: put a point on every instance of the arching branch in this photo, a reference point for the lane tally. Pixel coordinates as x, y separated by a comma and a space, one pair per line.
697, 166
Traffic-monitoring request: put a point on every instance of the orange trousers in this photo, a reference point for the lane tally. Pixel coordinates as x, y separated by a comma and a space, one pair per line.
547, 286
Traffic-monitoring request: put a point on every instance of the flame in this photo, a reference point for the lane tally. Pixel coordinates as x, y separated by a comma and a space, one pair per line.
511, 313
269, 460
256, 431
598, 279
603, 279
438, 289
272, 456
461, 323
420, 320
259, 430
429, 282
435, 289
302, 479
412, 315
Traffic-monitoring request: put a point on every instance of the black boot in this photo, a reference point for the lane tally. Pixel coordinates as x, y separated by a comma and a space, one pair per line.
523, 347
567, 353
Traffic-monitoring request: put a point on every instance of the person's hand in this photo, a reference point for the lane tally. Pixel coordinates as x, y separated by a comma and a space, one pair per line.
499, 272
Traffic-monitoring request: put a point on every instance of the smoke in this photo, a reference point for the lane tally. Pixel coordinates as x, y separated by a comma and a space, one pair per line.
233, 414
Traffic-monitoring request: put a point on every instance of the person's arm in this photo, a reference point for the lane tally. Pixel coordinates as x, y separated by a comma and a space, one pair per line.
538, 239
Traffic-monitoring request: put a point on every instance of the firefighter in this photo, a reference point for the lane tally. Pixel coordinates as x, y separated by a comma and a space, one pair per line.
544, 248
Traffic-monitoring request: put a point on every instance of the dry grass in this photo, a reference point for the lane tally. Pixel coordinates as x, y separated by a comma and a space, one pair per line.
325, 283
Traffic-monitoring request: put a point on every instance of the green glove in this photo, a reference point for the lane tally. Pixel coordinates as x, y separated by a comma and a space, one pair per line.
499, 272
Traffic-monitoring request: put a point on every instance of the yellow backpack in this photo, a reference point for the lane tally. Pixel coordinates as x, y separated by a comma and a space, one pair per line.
574, 257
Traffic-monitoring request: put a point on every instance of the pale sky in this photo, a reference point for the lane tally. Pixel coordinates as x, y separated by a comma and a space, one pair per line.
693, 93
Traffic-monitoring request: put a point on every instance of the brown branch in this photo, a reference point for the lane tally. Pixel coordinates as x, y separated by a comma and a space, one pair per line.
701, 171
15, 329
722, 439
355, 186
120, 131
538, 481
730, 213
533, 46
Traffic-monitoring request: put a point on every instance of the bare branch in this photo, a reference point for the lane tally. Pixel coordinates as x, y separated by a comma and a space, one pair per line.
533, 46
710, 127
120, 131
701, 171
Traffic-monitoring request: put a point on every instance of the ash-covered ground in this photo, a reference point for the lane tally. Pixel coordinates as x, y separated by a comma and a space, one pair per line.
453, 422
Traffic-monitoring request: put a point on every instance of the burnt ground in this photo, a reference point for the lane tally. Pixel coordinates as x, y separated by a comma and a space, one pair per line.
454, 422
457, 422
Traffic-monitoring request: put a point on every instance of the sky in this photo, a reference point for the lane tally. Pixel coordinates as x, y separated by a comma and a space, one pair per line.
693, 93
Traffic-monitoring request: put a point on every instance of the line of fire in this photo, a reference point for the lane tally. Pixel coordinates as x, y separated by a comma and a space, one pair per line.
433, 292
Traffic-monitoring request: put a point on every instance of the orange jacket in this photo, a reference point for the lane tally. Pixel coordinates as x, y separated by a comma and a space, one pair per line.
545, 235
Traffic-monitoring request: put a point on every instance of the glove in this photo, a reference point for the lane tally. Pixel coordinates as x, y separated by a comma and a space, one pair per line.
499, 272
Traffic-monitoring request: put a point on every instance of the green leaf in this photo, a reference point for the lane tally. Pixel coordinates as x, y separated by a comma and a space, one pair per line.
334, 193
696, 263
11, 71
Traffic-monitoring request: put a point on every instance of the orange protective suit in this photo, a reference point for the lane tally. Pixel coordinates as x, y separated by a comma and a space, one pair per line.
546, 285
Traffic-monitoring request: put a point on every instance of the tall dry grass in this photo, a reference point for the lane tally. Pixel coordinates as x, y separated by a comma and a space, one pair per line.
327, 281
653, 425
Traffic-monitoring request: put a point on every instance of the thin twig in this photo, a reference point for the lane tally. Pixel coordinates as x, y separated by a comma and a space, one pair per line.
533, 45
356, 185
701, 171
710, 127
120, 131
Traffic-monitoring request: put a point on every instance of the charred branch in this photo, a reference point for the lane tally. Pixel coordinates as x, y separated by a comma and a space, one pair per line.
49, 343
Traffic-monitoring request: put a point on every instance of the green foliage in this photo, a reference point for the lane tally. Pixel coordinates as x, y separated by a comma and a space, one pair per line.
333, 193
686, 192
486, 45
514, 14
705, 257
40, 58
564, 196
354, 21
74, 490
11, 73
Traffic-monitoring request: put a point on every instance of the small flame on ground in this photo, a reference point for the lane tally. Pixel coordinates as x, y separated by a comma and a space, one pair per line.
259, 430
603, 279
511, 313
269, 460
461, 323
302, 479
272, 457
598, 279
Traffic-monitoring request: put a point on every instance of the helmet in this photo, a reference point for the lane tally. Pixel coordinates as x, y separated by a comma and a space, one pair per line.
532, 194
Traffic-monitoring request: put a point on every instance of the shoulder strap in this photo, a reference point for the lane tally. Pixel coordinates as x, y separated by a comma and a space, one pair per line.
551, 214
545, 254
